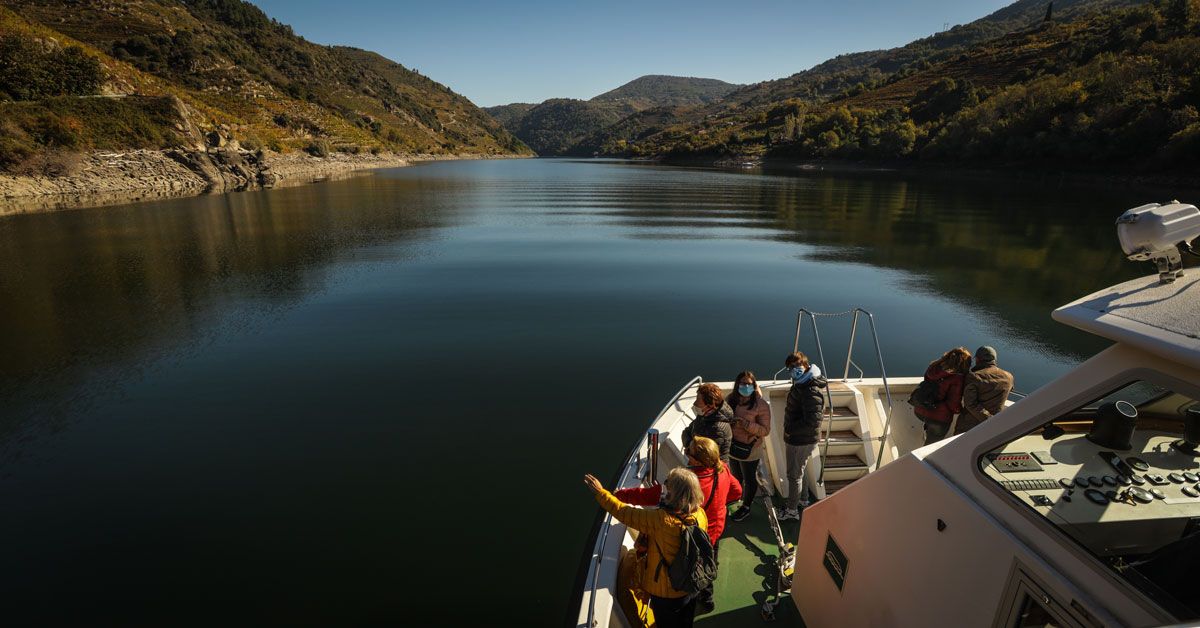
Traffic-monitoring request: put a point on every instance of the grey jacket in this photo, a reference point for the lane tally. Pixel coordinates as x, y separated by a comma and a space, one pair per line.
986, 390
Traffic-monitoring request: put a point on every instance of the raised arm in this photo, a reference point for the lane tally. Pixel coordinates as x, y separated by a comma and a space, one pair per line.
637, 518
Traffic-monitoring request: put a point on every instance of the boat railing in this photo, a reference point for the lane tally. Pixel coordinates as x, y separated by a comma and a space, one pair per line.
854, 314
856, 367
634, 461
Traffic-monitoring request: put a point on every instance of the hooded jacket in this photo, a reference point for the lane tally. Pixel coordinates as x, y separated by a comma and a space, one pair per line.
950, 391
805, 403
717, 425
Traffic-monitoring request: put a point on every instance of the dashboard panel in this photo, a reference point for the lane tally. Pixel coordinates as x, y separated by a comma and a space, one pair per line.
1115, 502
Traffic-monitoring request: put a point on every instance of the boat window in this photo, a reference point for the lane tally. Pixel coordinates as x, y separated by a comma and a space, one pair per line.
1033, 615
1120, 476
1137, 393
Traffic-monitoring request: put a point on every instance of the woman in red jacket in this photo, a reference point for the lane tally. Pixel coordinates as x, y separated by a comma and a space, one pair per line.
948, 372
717, 485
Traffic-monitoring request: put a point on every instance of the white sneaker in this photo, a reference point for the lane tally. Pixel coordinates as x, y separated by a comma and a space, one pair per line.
789, 514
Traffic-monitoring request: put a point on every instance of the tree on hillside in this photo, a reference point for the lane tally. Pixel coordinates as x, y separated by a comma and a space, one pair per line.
1179, 13
32, 70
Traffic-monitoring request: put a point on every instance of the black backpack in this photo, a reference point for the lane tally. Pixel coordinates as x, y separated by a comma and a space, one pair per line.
695, 566
927, 395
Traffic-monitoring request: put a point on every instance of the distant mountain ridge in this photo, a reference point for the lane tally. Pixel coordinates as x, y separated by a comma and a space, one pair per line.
555, 126
657, 90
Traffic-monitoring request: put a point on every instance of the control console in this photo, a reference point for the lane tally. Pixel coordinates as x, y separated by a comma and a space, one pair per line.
1121, 501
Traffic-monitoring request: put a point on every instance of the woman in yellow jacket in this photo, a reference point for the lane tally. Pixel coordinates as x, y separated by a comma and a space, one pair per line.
682, 502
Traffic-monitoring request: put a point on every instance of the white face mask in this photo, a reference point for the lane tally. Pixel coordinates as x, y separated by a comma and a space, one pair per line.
697, 409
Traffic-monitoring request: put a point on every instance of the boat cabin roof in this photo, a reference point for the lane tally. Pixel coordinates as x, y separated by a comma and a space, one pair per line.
1163, 319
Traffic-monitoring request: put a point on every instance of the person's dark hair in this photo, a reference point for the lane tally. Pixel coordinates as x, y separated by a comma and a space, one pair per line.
710, 394
957, 360
735, 398
796, 358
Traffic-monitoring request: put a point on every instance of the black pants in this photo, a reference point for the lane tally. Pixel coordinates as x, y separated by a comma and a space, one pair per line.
743, 469
673, 612
935, 430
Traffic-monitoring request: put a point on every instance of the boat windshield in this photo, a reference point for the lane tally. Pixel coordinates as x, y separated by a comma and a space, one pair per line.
1120, 476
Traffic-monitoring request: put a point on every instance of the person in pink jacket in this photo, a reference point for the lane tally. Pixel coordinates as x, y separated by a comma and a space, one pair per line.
751, 427
718, 486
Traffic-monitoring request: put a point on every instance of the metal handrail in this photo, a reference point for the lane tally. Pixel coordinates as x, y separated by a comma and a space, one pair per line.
858, 368
846, 374
606, 524
652, 456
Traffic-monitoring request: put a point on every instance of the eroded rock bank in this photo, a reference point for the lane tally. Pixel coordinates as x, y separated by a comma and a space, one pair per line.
105, 178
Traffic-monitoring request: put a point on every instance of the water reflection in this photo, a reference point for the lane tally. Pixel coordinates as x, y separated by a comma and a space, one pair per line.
321, 385
84, 292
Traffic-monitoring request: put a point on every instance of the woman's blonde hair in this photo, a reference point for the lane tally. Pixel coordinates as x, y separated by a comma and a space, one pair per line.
705, 451
681, 492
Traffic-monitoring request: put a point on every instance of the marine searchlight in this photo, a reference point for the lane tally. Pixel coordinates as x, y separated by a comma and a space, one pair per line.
1157, 233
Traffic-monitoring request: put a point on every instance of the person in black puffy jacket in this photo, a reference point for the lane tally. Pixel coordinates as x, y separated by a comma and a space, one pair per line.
801, 425
714, 419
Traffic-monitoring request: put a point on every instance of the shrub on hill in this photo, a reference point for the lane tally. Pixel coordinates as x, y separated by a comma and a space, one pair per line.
31, 69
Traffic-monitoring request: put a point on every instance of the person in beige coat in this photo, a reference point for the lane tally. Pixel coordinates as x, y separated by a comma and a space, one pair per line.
985, 391
751, 426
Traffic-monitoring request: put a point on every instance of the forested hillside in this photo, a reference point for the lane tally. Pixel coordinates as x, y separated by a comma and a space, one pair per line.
1115, 87
93, 74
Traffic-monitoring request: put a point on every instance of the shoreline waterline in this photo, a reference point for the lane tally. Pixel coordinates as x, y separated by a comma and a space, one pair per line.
118, 178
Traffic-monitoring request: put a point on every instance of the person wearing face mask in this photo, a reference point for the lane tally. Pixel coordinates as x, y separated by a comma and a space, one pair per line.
801, 426
681, 503
713, 420
752, 424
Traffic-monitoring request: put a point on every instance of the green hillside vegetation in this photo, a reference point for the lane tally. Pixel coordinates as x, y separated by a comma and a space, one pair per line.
213, 66
856, 72
657, 90
558, 125
866, 69
509, 115
1119, 87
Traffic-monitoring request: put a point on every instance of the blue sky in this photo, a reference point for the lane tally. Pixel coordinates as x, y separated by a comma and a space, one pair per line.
500, 52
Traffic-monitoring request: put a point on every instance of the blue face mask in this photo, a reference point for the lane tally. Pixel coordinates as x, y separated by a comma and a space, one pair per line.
797, 372
746, 390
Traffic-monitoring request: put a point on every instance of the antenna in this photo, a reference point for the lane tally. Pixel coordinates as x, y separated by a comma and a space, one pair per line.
945, 26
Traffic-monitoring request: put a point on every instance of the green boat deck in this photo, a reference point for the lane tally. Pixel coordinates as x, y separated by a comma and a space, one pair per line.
746, 572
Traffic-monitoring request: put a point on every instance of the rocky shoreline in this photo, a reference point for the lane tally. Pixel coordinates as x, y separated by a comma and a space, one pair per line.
106, 178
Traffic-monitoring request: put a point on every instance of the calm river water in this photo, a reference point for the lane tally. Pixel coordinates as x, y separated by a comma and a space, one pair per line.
282, 406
